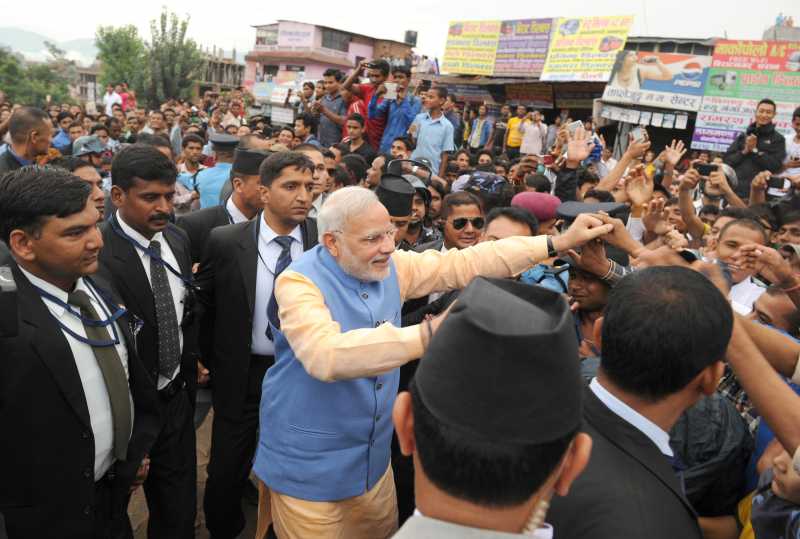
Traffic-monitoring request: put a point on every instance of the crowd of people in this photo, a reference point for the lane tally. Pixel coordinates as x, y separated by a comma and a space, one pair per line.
413, 320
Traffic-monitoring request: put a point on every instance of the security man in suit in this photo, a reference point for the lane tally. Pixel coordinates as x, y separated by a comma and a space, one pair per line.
209, 181
148, 260
664, 333
78, 409
235, 284
243, 204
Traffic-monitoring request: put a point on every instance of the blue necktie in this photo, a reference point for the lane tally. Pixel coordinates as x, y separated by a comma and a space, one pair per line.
284, 260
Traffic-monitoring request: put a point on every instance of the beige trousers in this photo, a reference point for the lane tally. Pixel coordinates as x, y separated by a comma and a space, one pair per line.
372, 515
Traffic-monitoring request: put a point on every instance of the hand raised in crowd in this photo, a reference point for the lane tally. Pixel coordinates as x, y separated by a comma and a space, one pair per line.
655, 218
675, 240
586, 227
592, 258
689, 180
663, 256
718, 180
638, 186
673, 153
768, 262
636, 149
579, 147
619, 236
760, 181
380, 90
750, 143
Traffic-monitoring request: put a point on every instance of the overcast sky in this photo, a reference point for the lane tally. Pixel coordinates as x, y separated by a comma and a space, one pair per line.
227, 24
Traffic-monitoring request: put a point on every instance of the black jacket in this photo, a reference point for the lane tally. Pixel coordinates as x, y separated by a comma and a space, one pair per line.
121, 264
8, 162
47, 452
769, 155
628, 489
226, 284
198, 225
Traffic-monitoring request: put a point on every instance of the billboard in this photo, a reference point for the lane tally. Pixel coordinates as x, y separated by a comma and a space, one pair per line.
742, 73
535, 95
661, 80
522, 47
471, 47
584, 49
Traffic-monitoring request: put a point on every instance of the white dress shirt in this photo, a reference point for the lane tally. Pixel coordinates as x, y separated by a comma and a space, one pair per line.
543, 532
234, 212
176, 285
269, 251
94, 385
629, 415
433, 296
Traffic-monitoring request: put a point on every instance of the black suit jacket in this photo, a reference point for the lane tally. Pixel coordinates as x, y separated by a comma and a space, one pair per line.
8, 163
47, 452
121, 265
226, 282
629, 488
198, 225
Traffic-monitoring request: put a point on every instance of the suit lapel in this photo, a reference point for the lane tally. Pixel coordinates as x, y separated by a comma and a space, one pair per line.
632, 441
179, 250
248, 260
133, 277
51, 346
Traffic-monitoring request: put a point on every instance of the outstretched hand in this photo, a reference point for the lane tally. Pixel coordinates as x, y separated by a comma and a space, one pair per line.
585, 228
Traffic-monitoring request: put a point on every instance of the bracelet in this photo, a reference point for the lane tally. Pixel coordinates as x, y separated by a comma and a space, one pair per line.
551, 250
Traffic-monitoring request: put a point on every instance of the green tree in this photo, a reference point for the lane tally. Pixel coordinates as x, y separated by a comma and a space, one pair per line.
30, 85
122, 55
173, 60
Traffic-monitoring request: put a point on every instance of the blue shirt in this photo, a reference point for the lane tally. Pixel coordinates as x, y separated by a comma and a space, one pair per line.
330, 132
210, 182
61, 141
434, 136
400, 116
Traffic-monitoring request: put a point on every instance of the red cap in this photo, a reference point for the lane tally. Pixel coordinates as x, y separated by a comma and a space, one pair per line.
542, 205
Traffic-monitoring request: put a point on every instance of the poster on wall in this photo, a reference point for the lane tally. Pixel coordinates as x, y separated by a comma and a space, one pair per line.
584, 49
531, 95
742, 73
522, 47
661, 80
471, 46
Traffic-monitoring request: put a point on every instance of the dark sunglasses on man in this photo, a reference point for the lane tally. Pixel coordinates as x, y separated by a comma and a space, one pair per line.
461, 222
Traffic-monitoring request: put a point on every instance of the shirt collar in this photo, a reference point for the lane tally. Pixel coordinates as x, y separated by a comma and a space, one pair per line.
267, 234
20, 160
51, 289
647, 427
137, 237
545, 532
235, 213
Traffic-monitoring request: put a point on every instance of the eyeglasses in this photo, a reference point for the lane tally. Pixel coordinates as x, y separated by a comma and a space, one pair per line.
461, 222
375, 238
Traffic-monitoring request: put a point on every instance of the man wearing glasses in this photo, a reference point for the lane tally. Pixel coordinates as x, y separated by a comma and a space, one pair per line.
325, 422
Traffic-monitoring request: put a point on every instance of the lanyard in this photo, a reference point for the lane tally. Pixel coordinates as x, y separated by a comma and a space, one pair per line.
149, 252
86, 321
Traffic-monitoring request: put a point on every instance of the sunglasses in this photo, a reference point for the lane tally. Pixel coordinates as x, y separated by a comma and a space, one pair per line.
461, 222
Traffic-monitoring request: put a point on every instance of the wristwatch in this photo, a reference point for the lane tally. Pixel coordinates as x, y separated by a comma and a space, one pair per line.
551, 251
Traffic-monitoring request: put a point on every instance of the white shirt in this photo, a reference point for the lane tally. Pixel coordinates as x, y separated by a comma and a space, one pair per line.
744, 294
109, 100
269, 251
533, 137
234, 212
610, 164
792, 152
316, 206
544, 532
176, 285
629, 415
94, 386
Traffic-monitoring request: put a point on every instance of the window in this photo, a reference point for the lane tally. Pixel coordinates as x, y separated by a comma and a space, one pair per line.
631, 46
702, 50
647, 47
333, 39
666, 47
267, 35
685, 48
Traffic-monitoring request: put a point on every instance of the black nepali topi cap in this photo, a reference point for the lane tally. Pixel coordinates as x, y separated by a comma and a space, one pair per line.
396, 194
248, 161
223, 142
503, 366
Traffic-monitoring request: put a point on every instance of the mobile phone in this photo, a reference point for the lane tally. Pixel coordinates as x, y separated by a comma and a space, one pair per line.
705, 169
776, 182
638, 134
689, 255
574, 126
548, 159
